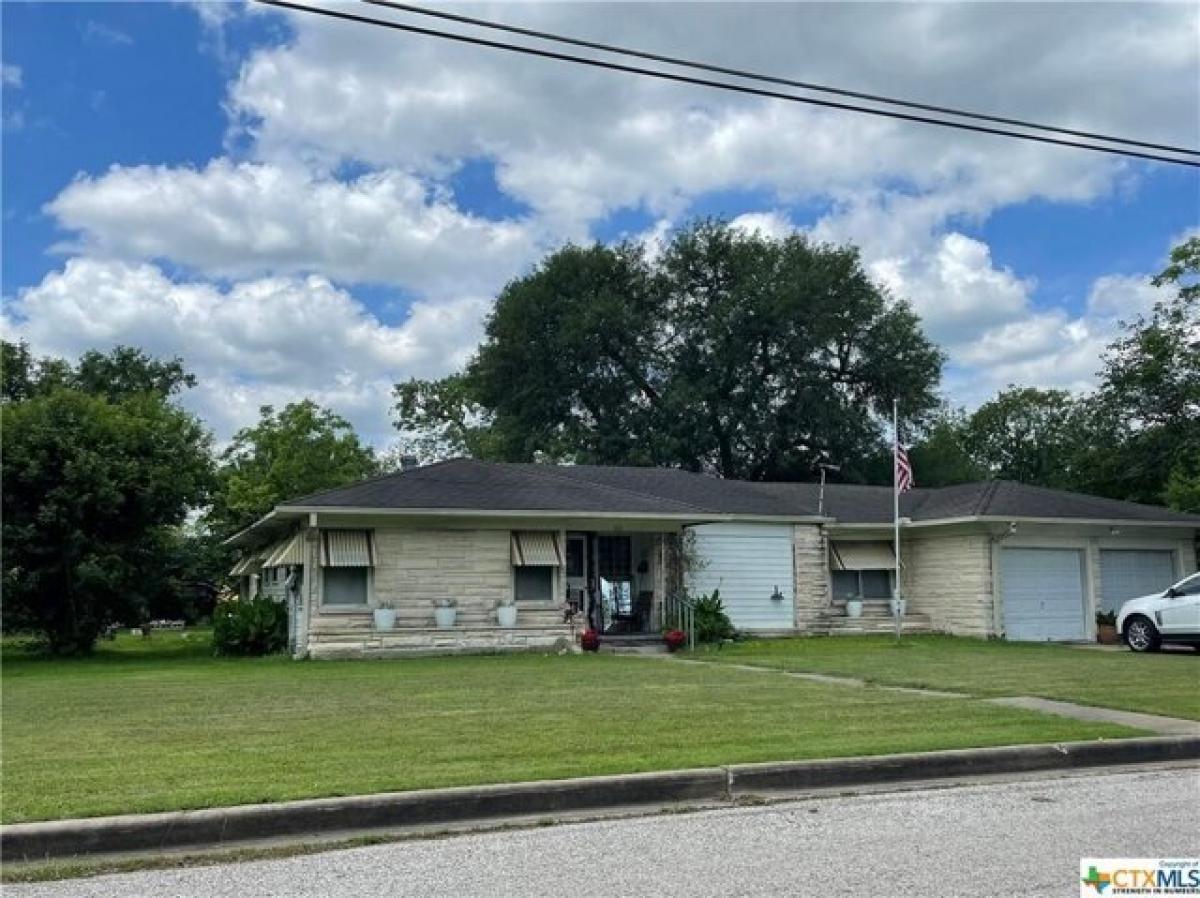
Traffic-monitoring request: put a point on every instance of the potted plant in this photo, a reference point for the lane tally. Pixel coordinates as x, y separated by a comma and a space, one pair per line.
1106, 628
854, 606
506, 612
589, 640
385, 616
444, 613
674, 639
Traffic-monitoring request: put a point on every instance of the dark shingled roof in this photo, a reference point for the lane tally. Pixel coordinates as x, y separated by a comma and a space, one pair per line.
490, 486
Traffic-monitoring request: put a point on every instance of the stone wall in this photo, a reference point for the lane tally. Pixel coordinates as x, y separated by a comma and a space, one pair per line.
811, 560
949, 578
416, 567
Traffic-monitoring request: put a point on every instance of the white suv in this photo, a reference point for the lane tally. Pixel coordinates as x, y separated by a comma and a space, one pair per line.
1171, 616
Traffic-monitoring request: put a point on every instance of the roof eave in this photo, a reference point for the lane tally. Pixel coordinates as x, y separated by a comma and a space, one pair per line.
674, 516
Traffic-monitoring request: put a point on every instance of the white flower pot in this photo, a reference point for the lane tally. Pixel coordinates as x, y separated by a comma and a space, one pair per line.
506, 615
385, 618
853, 608
445, 617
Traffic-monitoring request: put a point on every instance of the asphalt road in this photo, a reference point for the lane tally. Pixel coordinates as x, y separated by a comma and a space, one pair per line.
998, 839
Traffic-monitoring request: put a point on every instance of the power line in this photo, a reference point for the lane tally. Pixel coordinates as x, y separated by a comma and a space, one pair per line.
769, 79
720, 85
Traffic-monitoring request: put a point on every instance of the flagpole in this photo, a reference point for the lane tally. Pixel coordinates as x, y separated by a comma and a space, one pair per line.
896, 595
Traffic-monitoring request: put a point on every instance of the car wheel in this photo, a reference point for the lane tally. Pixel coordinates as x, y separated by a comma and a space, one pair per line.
1141, 635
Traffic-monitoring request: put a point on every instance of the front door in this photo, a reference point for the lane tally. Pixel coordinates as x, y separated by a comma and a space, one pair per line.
577, 566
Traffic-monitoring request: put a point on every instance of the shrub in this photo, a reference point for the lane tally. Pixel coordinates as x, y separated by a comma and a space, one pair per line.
589, 640
675, 639
712, 623
1106, 618
253, 627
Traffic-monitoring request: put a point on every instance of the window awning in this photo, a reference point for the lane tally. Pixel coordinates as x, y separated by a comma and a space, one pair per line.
247, 564
347, 548
861, 556
536, 547
289, 551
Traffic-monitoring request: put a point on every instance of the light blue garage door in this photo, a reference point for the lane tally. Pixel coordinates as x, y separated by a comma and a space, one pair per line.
1128, 573
1042, 592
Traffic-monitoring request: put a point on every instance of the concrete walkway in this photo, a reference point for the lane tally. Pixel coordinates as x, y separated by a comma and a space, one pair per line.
1153, 723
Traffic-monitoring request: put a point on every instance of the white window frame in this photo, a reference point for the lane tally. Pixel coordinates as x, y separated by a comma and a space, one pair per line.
538, 603
859, 594
367, 606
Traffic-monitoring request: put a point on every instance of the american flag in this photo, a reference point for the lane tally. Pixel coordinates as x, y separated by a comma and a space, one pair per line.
904, 471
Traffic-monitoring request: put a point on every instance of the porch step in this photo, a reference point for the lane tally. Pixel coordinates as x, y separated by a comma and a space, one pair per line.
632, 644
834, 622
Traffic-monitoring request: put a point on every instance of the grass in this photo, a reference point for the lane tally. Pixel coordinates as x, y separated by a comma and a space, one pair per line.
152, 725
1166, 683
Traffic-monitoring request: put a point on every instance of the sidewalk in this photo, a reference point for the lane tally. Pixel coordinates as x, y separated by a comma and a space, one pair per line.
1151, 723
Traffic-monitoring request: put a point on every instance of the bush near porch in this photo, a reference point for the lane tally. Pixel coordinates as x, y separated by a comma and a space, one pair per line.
1167, 683
159, 724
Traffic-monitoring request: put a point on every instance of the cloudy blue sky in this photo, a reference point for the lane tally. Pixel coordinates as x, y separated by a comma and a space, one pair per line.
301, 207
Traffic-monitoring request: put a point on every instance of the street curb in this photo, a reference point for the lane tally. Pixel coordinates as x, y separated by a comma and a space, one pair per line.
799, 775
216, 827
311, 817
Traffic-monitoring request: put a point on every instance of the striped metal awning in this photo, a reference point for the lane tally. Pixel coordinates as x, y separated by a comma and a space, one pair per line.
247, 564
536, 548
861, 556
288, 551
348, 548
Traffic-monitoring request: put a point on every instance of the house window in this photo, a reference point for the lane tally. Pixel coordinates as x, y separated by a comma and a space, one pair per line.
866, 584
533, 584
345, 586
536, 555
347, 557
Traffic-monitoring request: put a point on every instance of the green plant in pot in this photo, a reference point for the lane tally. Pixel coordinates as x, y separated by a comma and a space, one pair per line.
384, 615
445, 612
1106, 628
506, 612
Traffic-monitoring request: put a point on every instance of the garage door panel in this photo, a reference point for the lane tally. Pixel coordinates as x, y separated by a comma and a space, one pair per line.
746, 563
1042, 593
1128, 573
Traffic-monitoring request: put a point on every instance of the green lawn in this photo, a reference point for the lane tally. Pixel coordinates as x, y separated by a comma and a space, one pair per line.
158, 724
1166, 683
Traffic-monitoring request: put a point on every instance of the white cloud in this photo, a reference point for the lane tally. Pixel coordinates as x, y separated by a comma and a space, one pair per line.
576, 144
99, 32
269, 340
11, 75
775, 225
242, 220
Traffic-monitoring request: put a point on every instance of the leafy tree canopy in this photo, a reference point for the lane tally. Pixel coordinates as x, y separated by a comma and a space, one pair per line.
98, 464
299, 449
728, 352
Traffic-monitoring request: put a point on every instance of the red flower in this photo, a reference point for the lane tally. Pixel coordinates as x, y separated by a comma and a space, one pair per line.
675, 639
589, 640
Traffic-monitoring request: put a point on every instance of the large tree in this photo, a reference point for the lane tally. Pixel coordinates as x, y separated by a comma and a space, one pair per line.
1151, 384
728, 352
99, 465
299, 449
1025, 434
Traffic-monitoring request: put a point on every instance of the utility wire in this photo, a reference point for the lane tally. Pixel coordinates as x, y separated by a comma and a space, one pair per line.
720, 85
769, 79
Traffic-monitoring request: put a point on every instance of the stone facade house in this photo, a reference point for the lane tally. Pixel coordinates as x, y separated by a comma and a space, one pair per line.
609, 547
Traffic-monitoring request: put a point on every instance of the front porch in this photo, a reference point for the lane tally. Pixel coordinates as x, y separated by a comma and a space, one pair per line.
557, 582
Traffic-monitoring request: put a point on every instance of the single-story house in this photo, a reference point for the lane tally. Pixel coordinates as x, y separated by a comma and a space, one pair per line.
579, 545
